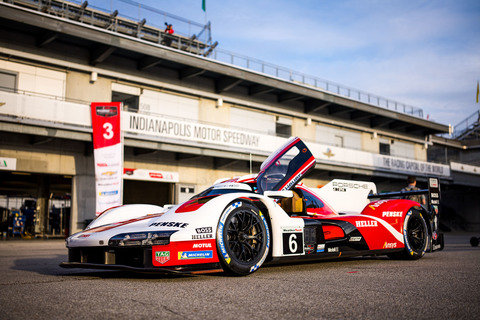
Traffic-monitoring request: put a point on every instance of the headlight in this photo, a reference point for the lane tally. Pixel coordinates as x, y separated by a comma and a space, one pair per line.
141, 239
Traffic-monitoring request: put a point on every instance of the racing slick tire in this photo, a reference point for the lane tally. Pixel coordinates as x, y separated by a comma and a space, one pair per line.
243, 238
415, 235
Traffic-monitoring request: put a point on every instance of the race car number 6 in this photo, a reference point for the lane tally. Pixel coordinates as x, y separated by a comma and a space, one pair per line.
108, 130
292, 243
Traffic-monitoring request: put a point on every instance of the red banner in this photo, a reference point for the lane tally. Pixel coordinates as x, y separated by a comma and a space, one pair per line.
105, 124
108, 154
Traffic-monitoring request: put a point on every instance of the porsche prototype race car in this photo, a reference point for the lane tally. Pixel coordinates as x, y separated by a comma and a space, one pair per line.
239, 224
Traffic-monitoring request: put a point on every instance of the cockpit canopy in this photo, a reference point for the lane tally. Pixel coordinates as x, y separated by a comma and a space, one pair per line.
285, 167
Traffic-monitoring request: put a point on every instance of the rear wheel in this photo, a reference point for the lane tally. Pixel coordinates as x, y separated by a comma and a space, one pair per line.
243, 238
415, 235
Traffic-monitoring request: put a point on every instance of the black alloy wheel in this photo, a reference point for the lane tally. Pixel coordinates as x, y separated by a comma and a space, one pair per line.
242, 239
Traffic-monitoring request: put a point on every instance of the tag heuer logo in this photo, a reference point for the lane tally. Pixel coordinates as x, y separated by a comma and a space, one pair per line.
162, 256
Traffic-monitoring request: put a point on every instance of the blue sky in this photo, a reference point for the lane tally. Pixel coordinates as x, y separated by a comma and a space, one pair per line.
418, 52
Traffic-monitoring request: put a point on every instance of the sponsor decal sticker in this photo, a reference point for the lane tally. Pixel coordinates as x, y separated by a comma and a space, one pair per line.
204, 230
187, 255
350, 185
361, 224
390, 245
392, 214
335, 249
309, 248
292, 229
293, 181
355, 239
169, 224
162, 256
377, 204
202, 245
321, 248
202, 236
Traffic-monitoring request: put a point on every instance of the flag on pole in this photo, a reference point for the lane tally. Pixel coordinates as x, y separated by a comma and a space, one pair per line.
204, 5
478, 91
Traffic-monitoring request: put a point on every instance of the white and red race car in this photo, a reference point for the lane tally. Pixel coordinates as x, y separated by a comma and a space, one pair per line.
239, 224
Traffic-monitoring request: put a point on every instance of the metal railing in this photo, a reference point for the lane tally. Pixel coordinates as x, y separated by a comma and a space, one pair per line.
466, 126
312, 81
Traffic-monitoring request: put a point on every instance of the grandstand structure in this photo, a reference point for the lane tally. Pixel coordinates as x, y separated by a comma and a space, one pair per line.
221, 114
468, 129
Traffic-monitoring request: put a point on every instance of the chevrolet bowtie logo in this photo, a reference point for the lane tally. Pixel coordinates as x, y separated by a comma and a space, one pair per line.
2, 104
329, 153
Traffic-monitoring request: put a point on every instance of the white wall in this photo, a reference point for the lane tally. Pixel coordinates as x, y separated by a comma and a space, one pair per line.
403, 150
335, 136
36, 79
170, 105
252, 120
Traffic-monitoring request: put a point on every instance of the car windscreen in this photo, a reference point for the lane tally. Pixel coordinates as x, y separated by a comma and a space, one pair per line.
216, 192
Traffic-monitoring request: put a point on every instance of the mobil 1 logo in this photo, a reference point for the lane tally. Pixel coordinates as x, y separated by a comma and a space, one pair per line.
292, 243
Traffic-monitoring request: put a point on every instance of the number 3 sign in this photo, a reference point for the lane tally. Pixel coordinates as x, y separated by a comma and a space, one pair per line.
108, 154
105, 124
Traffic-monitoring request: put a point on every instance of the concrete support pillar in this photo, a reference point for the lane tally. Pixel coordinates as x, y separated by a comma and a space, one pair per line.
43, 196
83, 202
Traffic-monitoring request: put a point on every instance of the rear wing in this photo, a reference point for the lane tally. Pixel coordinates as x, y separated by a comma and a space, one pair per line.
433, 193
433, 208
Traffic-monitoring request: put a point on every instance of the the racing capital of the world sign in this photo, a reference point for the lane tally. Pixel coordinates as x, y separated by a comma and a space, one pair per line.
108, 154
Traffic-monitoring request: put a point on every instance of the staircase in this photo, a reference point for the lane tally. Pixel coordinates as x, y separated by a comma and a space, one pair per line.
468, 129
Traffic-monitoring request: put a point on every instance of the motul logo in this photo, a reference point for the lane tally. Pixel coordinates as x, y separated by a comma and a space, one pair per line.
201, 245
366, 224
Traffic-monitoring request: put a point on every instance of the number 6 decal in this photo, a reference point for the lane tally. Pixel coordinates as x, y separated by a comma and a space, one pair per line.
292, 243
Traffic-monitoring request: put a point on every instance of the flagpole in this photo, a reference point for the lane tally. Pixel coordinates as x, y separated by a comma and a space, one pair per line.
204, 8
478, 91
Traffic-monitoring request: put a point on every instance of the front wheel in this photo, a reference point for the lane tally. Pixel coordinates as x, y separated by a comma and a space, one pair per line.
243, 238
415, 235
